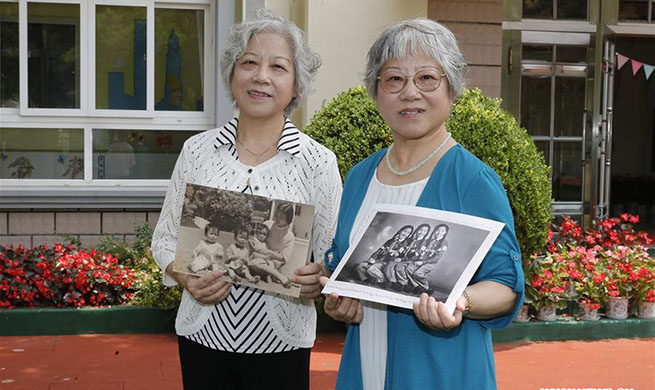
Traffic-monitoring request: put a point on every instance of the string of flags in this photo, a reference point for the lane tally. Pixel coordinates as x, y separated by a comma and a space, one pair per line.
636, 65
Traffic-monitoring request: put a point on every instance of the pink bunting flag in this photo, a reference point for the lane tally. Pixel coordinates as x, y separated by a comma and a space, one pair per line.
621, 60
636, 65
648, 69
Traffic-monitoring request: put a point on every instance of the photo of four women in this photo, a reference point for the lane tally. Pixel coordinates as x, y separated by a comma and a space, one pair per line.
405, 261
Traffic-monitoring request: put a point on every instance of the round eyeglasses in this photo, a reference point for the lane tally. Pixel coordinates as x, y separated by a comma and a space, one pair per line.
425, 80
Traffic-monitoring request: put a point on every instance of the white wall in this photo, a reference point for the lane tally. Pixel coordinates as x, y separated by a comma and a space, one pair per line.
341, 31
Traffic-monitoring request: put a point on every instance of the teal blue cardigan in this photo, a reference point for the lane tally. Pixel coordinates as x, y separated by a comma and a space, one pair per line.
418, 357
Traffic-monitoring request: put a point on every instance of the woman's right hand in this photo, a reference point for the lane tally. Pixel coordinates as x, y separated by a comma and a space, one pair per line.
207, 289
343, 309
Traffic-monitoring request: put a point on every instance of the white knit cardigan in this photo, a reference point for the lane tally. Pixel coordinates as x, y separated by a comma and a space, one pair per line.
309, 175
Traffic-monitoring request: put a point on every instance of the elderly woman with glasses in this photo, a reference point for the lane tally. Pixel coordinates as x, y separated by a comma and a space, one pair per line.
238, 337
415, 70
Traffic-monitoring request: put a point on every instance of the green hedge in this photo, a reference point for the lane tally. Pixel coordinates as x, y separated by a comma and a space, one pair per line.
493, 135
351, 126
149, 290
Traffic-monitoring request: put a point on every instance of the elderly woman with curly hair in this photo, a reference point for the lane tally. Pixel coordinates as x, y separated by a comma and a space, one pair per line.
415, 70
232, 336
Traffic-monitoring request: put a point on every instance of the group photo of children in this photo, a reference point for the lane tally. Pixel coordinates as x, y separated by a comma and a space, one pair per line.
250, 238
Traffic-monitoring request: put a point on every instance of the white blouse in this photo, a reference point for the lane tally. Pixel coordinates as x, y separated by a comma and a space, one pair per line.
373, 328
251, 320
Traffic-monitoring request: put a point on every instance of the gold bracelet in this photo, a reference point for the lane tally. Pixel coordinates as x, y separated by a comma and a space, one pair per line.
467, 308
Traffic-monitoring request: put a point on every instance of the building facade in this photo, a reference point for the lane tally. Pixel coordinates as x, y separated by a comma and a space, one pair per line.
98, 96
96, 100
578, 75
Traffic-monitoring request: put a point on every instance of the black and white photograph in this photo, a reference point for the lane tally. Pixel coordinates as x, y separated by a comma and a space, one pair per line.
406, 251
255, 240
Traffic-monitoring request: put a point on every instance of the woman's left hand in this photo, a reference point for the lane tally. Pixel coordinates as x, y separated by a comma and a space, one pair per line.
307, 276
434, 314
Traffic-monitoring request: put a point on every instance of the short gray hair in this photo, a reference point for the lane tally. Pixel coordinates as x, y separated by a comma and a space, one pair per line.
417, 37
305, 61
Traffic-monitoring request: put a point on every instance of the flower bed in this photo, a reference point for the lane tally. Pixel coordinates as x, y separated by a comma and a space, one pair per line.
578, 268
62, 276
588, 267
114, 273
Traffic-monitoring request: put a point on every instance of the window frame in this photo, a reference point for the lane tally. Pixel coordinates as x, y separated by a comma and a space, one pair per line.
89, 192
639, 22
88, 62
552, 70
554, 13
24, 109
149, 112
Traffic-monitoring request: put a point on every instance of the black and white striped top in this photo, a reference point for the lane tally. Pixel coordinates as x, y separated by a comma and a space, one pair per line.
251, 320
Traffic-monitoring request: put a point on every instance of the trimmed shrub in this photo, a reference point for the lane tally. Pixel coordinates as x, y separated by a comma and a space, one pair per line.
493, 135
149, 290
351, 126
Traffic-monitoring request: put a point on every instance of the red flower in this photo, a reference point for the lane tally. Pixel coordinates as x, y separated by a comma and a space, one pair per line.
61, 276
650, 296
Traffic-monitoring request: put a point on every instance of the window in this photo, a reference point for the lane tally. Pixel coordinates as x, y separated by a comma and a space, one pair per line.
179, 59
136, 153
555, 9
53, 46
637, 11
553, 95
42, 153
103, 93
9, 55
121, 57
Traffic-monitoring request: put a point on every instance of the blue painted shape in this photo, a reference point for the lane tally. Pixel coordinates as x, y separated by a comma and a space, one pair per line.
173, 88
118, 99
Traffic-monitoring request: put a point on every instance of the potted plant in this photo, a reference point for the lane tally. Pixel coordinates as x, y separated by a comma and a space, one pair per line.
643, 283
619, 280
547, 284
588, 277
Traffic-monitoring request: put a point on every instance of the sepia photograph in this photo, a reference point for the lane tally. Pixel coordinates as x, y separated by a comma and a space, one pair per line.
406, 251
256, 241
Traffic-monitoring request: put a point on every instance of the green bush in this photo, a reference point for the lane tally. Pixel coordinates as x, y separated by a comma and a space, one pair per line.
149, 290
493, 135
350, 126
353, 129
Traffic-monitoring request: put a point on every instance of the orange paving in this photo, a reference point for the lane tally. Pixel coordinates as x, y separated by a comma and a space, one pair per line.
147, 361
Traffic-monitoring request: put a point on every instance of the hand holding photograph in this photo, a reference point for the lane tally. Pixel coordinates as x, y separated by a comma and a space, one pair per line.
256, 241
406, 251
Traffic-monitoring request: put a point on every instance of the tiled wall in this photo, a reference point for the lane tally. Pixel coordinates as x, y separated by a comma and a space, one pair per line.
33, 228
477, 24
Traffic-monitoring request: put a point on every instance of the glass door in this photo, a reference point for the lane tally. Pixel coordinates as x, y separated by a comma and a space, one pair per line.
554, 86
629, 129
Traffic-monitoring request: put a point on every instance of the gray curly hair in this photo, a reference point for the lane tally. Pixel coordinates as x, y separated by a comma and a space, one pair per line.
417, 37
305, 61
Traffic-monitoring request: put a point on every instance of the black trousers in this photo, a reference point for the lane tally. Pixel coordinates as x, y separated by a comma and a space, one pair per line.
206, 368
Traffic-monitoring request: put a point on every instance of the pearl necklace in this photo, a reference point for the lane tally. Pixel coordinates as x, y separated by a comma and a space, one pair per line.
420, 164
257, 155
